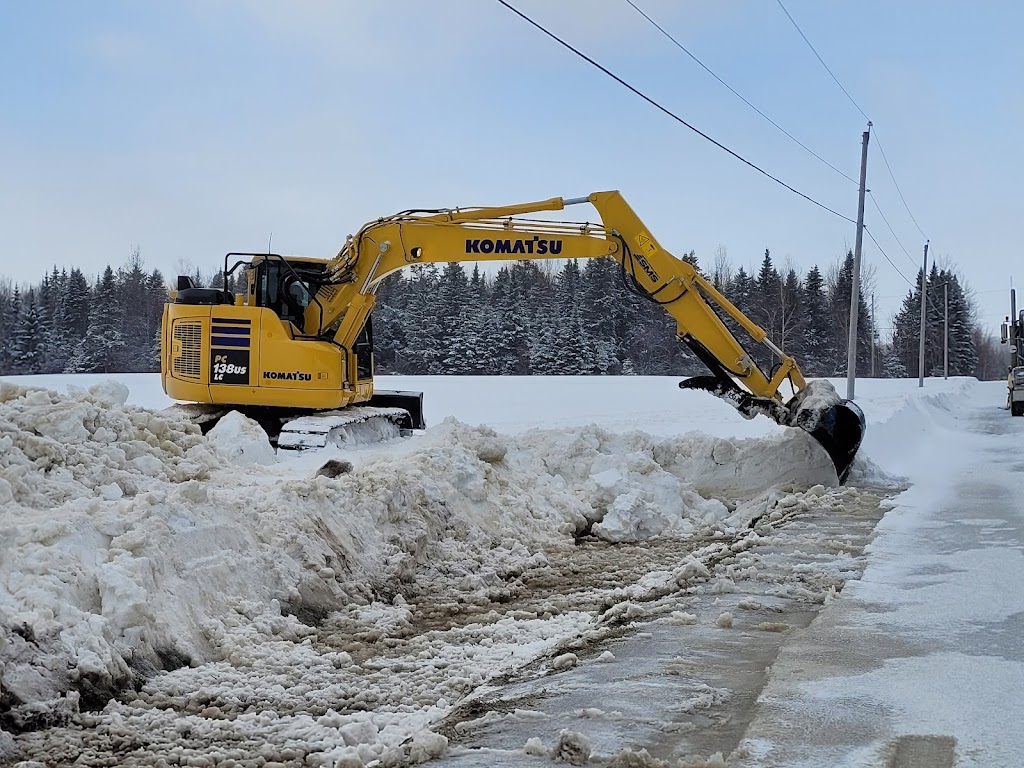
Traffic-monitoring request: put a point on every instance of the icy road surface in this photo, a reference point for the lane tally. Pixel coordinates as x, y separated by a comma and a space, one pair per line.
572, 581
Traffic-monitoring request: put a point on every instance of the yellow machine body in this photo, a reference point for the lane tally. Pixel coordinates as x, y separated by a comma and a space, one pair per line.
238, 354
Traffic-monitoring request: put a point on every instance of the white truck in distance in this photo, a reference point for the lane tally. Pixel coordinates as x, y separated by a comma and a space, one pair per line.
1012, 333
1015, 395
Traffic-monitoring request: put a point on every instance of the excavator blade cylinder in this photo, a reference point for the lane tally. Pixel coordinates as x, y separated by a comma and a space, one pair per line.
839, 430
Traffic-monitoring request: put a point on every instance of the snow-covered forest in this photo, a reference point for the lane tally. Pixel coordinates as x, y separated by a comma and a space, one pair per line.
527, 319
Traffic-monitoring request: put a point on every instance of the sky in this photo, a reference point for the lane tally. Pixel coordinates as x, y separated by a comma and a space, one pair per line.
194, 128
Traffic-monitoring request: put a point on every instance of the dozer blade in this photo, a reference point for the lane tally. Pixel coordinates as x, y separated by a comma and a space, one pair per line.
839, 431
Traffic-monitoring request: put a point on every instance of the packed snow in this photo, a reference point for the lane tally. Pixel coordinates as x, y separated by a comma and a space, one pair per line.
225, 594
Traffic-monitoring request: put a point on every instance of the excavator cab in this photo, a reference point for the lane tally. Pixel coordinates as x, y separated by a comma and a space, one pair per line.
285, 286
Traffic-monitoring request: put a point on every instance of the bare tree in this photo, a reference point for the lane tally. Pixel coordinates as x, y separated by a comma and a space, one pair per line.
721, 275
789, 303
868, 276
991, 358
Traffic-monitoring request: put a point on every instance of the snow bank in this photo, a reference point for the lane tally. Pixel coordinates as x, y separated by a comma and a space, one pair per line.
130, 544
144, 389
125, 532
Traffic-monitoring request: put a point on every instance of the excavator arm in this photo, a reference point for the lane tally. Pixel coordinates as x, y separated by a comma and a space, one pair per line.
345, 298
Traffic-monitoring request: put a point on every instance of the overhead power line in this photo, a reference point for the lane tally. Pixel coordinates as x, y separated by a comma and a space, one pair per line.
815, 52
879, 209
886, 255
738, 95
862, 112
913, 285
671, 114
896, 184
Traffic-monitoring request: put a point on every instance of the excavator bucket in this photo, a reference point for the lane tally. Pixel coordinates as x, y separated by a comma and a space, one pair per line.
839, 430
837, 424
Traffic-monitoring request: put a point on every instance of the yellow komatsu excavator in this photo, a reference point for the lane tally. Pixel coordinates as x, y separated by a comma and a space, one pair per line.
295, 352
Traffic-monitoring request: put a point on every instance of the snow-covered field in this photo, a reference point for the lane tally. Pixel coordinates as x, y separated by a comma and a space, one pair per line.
238, 607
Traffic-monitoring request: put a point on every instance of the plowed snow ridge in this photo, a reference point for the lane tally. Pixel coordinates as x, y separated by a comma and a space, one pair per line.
131, 544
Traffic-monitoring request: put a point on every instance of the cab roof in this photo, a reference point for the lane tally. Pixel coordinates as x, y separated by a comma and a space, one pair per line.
260, 258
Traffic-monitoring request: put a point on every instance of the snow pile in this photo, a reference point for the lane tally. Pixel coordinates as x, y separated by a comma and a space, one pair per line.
125, 532
76, 476
641, 486
242, 439
116, 556
573, 748
812, 401
55, 449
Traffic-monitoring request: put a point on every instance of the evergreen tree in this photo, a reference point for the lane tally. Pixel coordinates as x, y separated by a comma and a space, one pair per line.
963, 353
934, 332
482, 327
892, 367
424, 350
508, 331
30, 337
52, 292
818, 336
764, 306
609, 311
576, 351
546, 355
135, 322
741, 291
13, 323
906, 334
76, 303
839, 304
766, 311
458, 336
156, 297
102, 349
389, 324
8, 322
49, 296
528, 313
791, 316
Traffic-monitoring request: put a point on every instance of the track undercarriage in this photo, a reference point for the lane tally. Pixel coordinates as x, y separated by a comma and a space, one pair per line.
386, 416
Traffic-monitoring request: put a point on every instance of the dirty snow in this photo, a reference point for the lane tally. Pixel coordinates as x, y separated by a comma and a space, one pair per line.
229, 597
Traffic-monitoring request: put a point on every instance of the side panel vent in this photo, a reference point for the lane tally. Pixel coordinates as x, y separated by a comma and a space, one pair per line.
186, 354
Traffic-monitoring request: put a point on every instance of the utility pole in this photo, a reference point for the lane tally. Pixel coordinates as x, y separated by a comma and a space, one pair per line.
851, 358
1016, 332
924, 295
873, 326
945, 348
